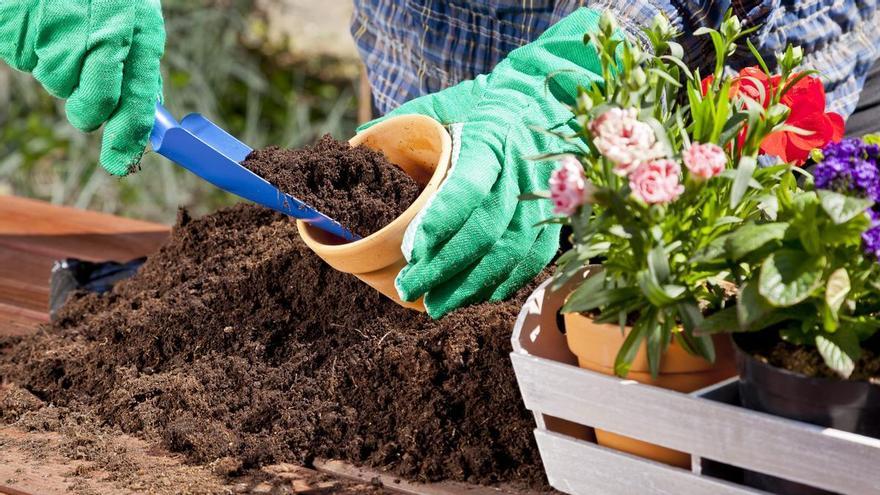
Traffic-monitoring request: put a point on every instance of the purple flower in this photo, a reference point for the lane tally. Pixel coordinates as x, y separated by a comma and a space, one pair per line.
871, 241
850, 167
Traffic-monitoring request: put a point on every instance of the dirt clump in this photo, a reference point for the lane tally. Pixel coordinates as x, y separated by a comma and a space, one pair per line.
356, 186
235, 342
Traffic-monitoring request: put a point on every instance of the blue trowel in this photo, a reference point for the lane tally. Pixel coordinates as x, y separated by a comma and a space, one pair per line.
203, 148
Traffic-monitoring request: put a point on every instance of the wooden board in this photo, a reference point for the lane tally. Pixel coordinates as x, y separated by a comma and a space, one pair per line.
34, 234
552, 386
577, 467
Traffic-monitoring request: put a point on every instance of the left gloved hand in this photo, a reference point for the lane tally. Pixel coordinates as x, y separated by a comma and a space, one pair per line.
475, 240
102, 56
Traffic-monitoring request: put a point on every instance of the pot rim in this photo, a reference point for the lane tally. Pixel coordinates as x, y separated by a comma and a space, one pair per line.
813, 381
401, 222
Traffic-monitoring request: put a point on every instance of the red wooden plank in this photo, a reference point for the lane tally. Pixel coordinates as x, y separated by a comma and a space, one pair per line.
34, 234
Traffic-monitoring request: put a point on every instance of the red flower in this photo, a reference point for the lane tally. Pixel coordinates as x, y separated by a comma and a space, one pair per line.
751, 82
806, 99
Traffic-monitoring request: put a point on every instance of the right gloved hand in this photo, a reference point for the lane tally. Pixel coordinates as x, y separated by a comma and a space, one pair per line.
475, 240
102, 56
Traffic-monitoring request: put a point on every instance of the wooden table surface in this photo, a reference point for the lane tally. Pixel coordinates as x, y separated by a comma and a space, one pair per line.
34, 234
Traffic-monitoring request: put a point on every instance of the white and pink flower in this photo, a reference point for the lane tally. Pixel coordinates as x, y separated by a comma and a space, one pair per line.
569, 188
625, 140
705, 160
657, 181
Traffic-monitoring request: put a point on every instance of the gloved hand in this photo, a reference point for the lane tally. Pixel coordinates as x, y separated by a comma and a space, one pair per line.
475, 240
102, 56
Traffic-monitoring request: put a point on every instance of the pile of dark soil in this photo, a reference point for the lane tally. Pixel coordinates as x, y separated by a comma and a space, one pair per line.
357, 187
235, 342
808, 361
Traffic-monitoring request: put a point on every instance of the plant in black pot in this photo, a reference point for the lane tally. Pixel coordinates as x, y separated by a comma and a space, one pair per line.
807, 309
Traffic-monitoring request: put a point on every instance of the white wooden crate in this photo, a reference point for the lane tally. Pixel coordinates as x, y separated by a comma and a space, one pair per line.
553, 386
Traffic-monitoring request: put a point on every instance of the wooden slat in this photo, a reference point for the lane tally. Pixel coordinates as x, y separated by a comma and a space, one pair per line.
25, 295
22, 216
820, 457
578, 467
89, 246
34, 234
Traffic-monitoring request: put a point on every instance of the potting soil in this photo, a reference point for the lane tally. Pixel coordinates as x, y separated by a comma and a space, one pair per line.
357, 187
236, 342
808, 361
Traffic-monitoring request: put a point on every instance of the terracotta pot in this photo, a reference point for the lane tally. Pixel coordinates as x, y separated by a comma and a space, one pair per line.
596, 345
421, 147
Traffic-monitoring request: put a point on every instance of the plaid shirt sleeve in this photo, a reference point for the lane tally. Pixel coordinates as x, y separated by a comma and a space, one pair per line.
416, 47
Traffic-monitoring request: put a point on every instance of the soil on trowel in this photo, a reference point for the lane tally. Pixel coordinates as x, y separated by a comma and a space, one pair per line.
356, 186
807, 360
236, 342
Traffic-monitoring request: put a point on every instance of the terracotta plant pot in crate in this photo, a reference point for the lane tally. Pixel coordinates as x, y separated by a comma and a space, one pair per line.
596, 345
421, 147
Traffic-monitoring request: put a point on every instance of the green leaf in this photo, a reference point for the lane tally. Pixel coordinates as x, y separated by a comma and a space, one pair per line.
727, 221
665, 76
629, 349
699, 345
653, 291
654, 346
658, 263
691, 318
758, 57
600, 299
534, 195
842, 208
751, 237
582, 296
840, 350
789, 276
808, 233
732, 127
751, 307
837, 289
724, 321
747, 165
769, 204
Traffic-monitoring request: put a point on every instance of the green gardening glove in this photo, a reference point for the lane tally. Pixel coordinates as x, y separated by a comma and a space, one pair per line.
476, 240
102, 56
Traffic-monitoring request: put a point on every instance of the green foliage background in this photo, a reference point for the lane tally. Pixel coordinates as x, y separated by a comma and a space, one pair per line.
217, 64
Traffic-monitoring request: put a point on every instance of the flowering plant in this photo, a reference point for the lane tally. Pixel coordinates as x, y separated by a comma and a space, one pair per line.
812, 272
666, 181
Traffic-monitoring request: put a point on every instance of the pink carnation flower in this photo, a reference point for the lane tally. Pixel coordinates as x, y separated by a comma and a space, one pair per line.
657, 181
625, 140
569, 188
705, 160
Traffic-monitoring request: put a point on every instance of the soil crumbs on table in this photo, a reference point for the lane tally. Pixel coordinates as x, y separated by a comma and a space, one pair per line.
236, 342
46, 450
358, 187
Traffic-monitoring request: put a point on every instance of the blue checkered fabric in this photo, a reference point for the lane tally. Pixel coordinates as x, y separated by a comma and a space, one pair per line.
416, 47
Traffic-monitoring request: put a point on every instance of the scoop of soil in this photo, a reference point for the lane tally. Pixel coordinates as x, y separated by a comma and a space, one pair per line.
358, 187
235, 341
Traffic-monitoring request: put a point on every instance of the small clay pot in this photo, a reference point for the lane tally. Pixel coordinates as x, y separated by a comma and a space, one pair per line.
421, 147
852, 406
596, 346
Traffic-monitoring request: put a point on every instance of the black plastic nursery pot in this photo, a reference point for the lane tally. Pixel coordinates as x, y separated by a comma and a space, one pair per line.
852, 406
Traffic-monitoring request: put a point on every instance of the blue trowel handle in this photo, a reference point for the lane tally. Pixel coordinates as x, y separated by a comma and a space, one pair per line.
198, 145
